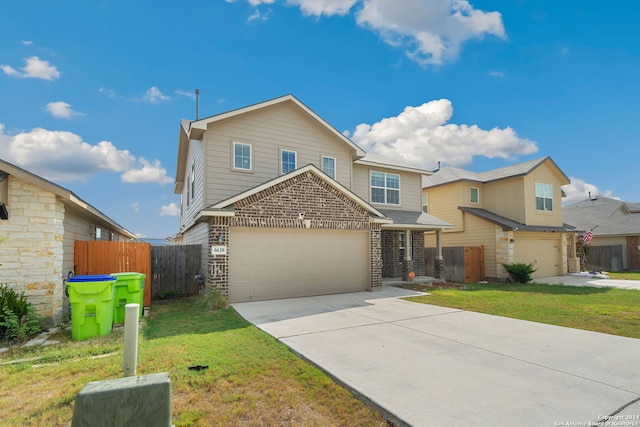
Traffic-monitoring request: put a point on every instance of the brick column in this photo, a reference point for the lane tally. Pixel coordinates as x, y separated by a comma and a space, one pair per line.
376, 255
218, 274
633, 252
439, 269
418, 253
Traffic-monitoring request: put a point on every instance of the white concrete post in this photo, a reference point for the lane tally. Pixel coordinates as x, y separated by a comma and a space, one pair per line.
130, 359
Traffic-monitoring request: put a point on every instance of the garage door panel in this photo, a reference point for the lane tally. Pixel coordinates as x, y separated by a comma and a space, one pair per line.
279, 263
544, 254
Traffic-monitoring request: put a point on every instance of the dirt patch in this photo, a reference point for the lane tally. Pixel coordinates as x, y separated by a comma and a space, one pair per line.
426, 287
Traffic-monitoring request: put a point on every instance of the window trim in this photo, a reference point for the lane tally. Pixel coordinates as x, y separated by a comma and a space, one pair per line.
477, 195
295, 160
335, 166
544, 205
425, 198
233, 157
385, 188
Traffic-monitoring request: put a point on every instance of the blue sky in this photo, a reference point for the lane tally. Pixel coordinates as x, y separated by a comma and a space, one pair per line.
92, 92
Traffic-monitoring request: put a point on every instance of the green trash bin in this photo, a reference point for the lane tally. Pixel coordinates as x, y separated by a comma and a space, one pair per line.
129, 290
91, 299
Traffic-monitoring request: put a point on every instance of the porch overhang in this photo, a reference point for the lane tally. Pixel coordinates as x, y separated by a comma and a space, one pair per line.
413, 220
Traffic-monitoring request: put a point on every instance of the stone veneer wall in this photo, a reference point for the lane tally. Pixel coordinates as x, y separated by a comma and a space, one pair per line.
32, 253
504, 251
279, 206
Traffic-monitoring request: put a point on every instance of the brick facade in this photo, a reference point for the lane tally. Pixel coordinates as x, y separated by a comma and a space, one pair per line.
392, 265
303, 201
418, 252
633, 252
31, 253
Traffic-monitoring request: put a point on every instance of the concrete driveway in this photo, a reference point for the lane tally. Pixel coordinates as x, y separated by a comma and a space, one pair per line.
425, 365
590, 281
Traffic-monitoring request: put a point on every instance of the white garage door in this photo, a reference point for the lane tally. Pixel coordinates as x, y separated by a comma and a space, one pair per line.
278, 263
544, 254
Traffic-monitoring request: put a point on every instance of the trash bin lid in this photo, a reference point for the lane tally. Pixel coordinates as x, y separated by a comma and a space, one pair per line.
96, 278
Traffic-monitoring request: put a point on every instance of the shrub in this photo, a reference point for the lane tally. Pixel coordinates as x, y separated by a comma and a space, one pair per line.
214, 299
18, 319
520, 272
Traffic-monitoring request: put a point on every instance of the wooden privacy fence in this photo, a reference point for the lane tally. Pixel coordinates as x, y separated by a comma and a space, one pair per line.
93, 257
463, 264
605, 258
174, 269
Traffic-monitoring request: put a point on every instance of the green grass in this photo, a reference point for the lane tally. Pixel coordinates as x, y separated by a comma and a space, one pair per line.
625, 275
612, 311
252, 379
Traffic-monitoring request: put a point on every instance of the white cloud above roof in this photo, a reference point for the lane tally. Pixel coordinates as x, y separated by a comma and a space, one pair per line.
579, 190
35, 68
421, 136
170, 210
64, 156
431, 32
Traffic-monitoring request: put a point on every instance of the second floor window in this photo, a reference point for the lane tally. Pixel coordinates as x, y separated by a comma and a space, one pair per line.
241, 156
425, 203
475, 195
329, 166
544, 197
385, 188
288, 161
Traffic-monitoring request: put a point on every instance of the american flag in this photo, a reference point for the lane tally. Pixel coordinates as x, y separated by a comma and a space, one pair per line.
586, 238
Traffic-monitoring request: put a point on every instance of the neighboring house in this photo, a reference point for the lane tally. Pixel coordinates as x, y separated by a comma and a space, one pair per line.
616, 223
284, 205
515, 212
37, 248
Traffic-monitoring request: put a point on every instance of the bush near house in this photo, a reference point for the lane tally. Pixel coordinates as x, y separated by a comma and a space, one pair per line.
18, 319
520, 272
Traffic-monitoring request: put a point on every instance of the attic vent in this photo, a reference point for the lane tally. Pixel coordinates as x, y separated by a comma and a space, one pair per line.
592, 198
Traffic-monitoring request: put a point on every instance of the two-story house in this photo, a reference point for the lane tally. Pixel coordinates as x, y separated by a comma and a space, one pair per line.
284, 205
515, 212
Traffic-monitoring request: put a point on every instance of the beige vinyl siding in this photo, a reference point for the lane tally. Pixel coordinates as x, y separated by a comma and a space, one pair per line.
444, 202
477, 232
199, 235
506, 198
410, 187
268, 131
546, 175
196, 204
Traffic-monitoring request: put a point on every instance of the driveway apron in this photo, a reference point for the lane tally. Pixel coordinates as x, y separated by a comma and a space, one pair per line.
424, 365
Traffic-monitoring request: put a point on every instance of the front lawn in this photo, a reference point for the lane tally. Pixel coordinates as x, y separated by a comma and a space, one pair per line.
252, 379
612, 311
624, 275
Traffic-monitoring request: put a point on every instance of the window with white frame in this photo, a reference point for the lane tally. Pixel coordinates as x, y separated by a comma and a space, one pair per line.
288, 161
401, 245
329, 166
475, 195
385, 188
425, 203
544, 197
242, 156
192, 179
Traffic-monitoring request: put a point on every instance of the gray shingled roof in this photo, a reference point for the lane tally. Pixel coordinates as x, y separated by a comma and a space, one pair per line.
611, 217
510, 225
414, 218
449, 174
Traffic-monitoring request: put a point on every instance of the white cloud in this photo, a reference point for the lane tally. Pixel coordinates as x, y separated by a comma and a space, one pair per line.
35, 68
496, 73
26, 42
135, 206
170, 210
64, 156
580, 190
109, 93
153, 95
186, 93
149, 172
431, 32
62, 110
421, 136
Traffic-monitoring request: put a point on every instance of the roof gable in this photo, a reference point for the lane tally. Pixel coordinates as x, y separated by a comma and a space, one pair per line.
195, 130
448, 175
68, 197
